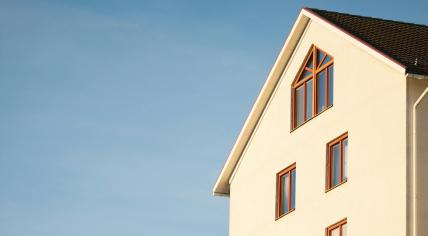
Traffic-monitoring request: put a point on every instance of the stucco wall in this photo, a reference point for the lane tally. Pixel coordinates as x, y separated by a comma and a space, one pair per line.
369, 103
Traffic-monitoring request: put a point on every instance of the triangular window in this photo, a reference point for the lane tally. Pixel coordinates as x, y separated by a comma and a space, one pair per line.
313, 87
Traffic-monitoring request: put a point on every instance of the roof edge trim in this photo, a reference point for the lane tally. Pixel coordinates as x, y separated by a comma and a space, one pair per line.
222, 186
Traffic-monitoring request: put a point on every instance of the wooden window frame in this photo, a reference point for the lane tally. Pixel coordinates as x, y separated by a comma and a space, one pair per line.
287, 170
329, 180
334, 226
313, 53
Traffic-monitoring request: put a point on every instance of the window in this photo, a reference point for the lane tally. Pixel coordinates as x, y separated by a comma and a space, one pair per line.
312, 90
338, 229
337, 158
286, 191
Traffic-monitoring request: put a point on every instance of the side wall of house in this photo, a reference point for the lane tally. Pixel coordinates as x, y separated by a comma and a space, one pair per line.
370, 104
419, 151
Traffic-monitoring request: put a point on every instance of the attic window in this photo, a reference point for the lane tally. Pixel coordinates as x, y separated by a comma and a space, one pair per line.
312, 90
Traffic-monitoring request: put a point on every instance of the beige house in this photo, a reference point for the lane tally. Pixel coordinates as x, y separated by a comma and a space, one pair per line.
337, 141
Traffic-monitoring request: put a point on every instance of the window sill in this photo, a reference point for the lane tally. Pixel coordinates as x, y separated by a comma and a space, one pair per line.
328, 190
279, 217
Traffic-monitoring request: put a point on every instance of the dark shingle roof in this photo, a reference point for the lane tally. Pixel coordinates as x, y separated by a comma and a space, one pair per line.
405, 43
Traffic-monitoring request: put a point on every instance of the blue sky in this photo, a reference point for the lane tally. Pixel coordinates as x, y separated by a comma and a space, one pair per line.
117, 116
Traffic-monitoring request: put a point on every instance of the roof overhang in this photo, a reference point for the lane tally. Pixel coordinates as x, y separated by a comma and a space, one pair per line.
222, 185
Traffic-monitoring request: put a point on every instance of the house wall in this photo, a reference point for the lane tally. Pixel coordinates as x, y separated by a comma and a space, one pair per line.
418, 149
369, 103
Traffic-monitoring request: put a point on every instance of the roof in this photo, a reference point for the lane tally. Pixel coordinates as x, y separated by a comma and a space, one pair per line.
406, 43
397, 44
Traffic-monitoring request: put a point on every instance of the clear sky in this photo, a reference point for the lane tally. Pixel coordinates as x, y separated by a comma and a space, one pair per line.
116, 117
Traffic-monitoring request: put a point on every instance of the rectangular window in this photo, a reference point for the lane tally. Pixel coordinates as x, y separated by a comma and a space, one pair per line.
286, 191
338, 229
337, 158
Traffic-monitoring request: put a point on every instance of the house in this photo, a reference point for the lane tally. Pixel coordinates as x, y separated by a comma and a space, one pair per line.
337, 141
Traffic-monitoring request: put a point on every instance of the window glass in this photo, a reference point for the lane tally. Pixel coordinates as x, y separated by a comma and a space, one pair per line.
326, 60
335, 165
330, 85
310, 62
306, 73
309, 99
285, 193
345, 159
344, 230
321, 102
299, 105
320, 57
338, 229
335, 232
293, 189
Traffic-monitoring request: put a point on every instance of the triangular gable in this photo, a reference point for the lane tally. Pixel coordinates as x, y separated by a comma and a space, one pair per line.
222, 185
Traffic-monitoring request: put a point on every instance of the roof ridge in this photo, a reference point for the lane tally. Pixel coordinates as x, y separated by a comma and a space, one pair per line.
367, 17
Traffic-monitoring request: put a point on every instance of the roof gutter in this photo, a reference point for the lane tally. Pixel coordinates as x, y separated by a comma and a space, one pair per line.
414, 158
416, 76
